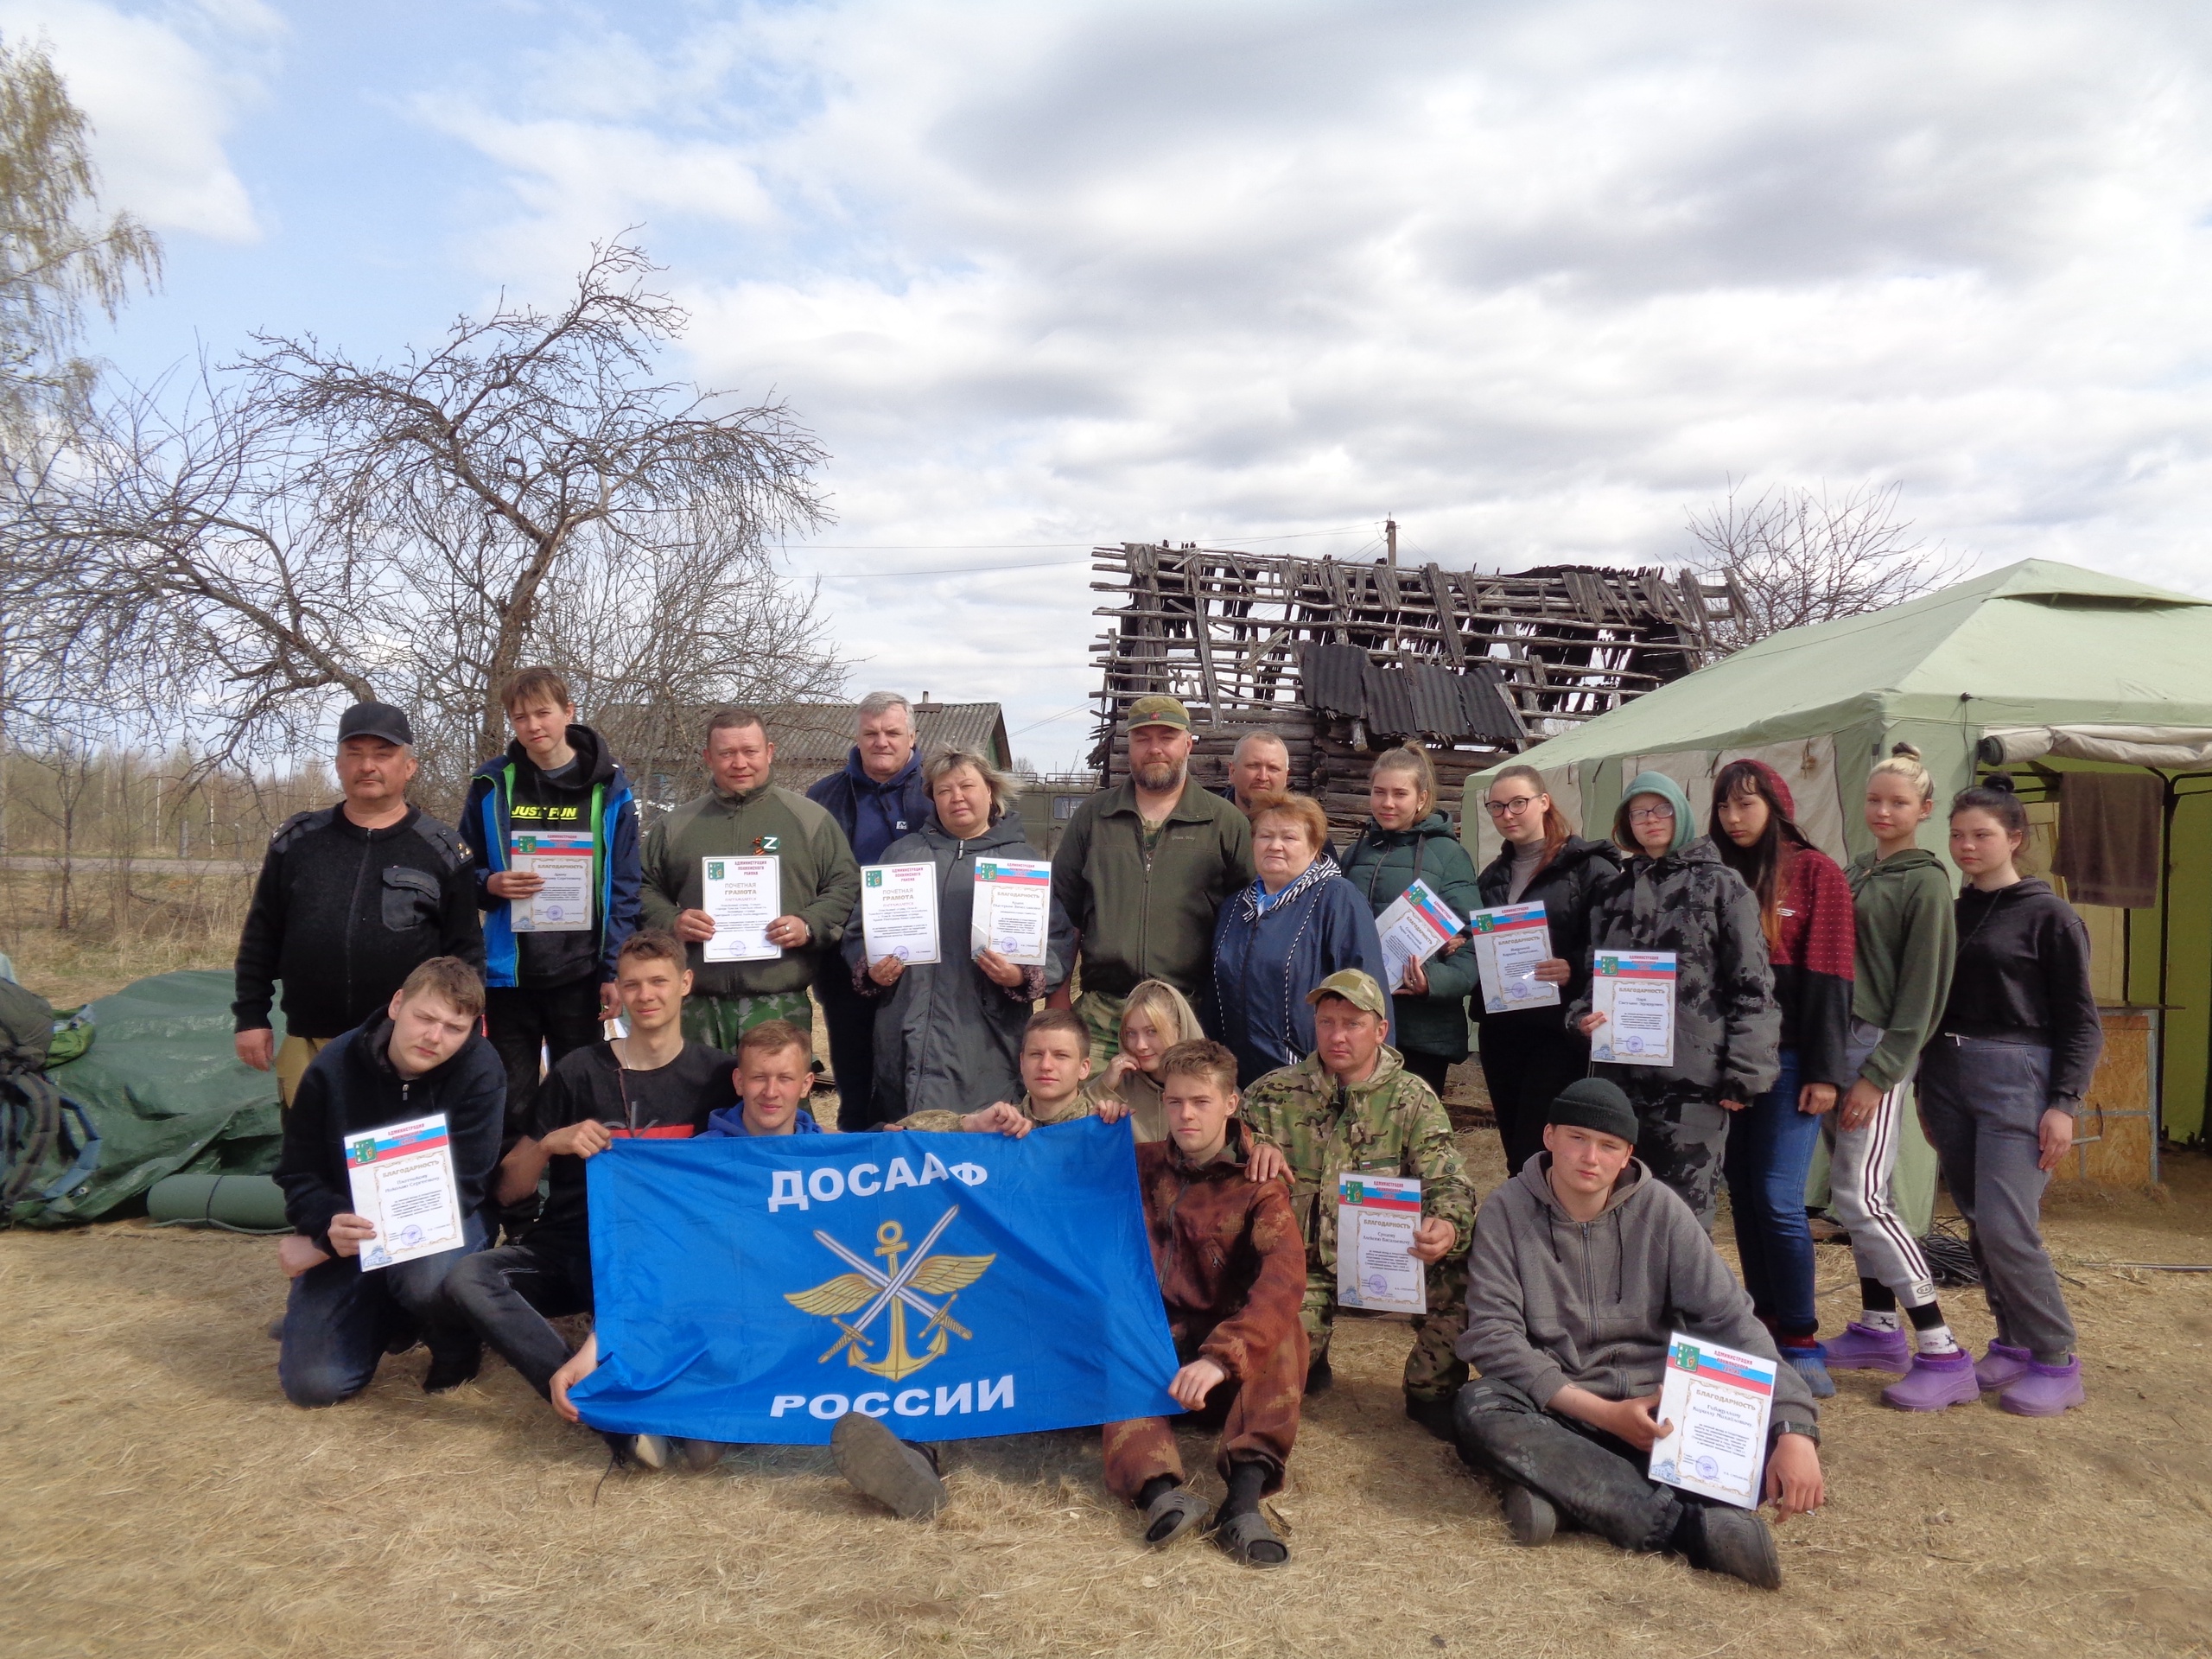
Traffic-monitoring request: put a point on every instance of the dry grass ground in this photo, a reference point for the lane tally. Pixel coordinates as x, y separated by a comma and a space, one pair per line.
161, 1498
124, 925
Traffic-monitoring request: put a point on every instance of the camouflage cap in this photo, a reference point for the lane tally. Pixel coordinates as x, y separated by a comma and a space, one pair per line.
1356, 988
1160, 711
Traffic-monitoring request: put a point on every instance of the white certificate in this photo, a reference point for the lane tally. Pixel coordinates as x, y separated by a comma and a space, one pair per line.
1376, 1217
1014, 910
1717, 1402
1635, 991
743, 895
562, 858
1509, 941
1414, 926
898, 912
402, 1181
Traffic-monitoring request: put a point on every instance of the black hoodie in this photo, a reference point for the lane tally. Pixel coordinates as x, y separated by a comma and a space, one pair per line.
353, 1085
1567, 887
2023, 976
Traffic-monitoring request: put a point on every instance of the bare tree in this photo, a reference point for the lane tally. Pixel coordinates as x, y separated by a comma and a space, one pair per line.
315, 529
1797, 555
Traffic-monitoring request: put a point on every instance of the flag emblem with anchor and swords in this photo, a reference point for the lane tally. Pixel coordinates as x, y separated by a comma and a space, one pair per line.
897, 1286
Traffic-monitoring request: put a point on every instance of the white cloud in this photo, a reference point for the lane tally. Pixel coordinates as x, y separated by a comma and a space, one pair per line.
1535, 277
161, 92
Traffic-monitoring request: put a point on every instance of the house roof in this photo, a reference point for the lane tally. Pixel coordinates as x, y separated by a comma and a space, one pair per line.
813, 738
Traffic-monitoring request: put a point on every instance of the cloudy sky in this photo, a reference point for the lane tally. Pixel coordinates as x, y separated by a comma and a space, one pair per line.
1537, 279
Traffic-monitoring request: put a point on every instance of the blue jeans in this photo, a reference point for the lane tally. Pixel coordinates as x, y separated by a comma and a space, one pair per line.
1769, 1151
338, 1319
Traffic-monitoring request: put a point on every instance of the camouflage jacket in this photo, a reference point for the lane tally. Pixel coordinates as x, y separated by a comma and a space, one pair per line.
1392, 1124
935, 1122
1727, 1025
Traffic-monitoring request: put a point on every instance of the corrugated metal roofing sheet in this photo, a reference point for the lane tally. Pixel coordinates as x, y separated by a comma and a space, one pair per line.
1417, 701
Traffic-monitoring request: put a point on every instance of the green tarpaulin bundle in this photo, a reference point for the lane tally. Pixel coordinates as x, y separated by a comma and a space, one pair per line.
158, 1092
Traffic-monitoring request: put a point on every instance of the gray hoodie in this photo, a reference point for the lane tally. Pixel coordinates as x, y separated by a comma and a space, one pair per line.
1551, 1301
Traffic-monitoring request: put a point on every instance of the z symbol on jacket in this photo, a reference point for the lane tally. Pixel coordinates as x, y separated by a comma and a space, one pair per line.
871, 1289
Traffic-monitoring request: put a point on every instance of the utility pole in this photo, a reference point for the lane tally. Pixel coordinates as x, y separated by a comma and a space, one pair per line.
1390, 536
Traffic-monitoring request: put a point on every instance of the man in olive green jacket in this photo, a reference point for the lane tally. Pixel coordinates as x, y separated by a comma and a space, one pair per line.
1143, 871
747, 815
1353, 1108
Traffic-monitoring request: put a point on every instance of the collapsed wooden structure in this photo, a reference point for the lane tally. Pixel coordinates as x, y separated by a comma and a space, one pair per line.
1341, 661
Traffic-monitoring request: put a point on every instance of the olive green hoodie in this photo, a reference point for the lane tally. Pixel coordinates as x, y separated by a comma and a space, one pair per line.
1907, 938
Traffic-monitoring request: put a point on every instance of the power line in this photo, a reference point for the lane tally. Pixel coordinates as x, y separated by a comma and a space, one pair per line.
984, 569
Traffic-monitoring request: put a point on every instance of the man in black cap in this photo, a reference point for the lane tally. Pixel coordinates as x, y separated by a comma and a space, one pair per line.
351, 898
1582, 1266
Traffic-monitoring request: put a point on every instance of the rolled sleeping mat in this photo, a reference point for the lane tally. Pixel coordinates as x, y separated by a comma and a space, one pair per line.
244, 1203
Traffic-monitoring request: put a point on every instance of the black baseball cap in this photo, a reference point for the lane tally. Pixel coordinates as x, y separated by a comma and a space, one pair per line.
376, 720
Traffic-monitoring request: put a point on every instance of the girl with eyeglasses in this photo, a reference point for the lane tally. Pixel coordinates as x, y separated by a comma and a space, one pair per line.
1674, 893
1529, 1055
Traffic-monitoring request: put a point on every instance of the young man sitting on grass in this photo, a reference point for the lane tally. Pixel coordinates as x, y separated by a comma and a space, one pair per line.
1232, 1273
418, 1057
1055, 1065
651, 1084
1582, 1266
774, 1073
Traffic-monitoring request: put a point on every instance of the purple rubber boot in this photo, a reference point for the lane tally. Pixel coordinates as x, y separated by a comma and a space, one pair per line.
2001, 1366
1934, 1381
1862, 1347
2046, 1390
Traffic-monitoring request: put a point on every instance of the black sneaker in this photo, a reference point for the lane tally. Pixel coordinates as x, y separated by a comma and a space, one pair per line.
1739, 1543
882, 1466
457, 1365
1319, 1376
1436, 1416
1529, 1516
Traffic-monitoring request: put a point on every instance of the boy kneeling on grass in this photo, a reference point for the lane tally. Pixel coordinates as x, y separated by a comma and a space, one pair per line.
1582, 1266
1232, 1274
774, 1073
419, 1057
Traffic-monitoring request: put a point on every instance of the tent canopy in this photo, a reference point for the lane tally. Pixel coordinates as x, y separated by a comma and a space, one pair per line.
2035, 645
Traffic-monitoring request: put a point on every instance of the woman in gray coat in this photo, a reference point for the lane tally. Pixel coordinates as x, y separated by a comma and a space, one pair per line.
948, 1033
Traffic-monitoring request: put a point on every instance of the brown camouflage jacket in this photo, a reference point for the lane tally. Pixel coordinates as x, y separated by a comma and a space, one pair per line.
1227, 1250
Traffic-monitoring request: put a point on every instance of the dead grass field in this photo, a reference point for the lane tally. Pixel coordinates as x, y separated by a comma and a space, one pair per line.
161, 1499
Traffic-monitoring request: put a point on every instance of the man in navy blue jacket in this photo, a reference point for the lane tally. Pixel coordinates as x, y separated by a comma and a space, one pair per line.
877, 799
548, 978
418, 1058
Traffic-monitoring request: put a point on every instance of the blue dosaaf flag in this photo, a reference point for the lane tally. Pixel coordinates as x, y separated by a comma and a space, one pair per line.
955, 1285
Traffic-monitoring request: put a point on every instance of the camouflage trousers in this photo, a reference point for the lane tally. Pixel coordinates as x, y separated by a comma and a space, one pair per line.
1257, 1417
721, 1021
1102, 1016
1433, 1371
1681, 1133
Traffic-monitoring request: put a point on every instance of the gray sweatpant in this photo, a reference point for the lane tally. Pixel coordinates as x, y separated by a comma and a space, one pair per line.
1861, 1162
1981, 1104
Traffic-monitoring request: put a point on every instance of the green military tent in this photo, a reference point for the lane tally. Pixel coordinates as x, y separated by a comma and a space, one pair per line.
2045, 669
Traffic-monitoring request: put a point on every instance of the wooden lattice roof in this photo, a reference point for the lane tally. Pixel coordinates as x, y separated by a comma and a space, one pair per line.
1231, 633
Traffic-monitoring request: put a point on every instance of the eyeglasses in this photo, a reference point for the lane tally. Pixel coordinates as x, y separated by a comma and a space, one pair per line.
1512, 809
1652, 815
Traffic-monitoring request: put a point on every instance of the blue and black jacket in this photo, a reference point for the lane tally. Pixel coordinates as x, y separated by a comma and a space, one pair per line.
593, 794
